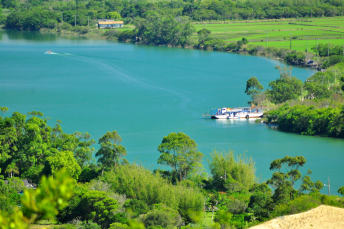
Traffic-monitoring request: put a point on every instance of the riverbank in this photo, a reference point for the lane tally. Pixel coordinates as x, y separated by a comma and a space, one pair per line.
266, 38
246, 49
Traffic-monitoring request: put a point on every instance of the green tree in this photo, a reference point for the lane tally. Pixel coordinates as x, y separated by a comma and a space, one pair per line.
163, 30
341, 190
9, 3
97, 206
9, 194
284, 88
118, 226
333, 60
203, 34
74, 209
1, 21
3, 110
309, 120
110, 151
64, 159
223, 217
180, 152
307, 185
253, 87
317, 91
83, 153
138, 207
16, 184
12, 169
261, 202
284, 182
113, 15
295, 57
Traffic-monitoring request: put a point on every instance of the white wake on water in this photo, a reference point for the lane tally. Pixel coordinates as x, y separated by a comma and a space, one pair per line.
50, 52
118, 73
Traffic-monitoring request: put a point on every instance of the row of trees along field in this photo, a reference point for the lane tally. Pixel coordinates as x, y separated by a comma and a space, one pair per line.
315, 107
36, 14
78, 191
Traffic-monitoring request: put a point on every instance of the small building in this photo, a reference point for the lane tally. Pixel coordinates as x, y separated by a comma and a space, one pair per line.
109, 24
27, 183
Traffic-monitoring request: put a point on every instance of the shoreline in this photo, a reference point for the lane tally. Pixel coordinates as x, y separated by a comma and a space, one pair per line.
98, 34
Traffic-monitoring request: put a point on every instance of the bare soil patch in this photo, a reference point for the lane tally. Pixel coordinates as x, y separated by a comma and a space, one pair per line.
320, 217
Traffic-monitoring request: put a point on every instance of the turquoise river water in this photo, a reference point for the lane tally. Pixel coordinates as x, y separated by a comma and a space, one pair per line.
145, 93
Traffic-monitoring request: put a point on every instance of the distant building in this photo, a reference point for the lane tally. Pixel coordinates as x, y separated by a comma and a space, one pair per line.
109, 24
28, 184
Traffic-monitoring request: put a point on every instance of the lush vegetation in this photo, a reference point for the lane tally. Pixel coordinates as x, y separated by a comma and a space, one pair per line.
75, 190
194, 10
170, 23
310, 120
315, 107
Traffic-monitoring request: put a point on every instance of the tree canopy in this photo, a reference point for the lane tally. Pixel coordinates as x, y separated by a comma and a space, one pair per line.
284, 88
253, 87
110, 151
179, 152
163, 30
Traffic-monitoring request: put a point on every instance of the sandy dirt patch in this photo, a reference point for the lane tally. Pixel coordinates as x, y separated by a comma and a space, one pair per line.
320, 217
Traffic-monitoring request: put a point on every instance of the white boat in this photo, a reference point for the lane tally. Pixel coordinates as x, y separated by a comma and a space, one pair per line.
50, 52
236, 113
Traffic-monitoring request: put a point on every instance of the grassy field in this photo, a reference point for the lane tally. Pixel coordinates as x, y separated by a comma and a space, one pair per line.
278, 32
207, 220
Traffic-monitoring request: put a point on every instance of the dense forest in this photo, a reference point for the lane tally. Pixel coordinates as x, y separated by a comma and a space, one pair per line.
36, 14
81, 187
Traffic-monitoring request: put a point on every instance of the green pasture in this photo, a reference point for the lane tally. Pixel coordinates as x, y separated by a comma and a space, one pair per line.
300, 45
278, 33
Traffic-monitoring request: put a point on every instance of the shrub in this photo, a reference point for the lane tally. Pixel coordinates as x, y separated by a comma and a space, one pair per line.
240, 171
162, 216
300, 204
223, 217
126, 35
333, 60
137, 206
50, 24
120, 218
66, 26
83, 30
118, 226
236, 206
138, 183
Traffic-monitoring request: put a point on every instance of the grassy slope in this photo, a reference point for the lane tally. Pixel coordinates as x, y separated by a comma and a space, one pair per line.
324, 29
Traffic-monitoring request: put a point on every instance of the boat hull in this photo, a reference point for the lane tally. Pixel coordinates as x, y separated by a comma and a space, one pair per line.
220, 116
247, 116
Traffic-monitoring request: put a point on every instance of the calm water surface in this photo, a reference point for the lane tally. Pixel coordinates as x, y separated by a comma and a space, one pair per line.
145, 93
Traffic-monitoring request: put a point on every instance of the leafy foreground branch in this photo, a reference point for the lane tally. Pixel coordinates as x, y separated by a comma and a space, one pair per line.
41, 203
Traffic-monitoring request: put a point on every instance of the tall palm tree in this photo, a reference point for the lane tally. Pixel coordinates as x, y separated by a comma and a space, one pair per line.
12, 169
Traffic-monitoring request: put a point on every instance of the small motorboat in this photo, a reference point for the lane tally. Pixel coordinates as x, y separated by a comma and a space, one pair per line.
49, 52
